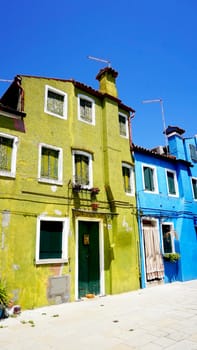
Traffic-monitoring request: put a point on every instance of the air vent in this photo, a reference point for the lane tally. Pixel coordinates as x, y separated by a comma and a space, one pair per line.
59, 289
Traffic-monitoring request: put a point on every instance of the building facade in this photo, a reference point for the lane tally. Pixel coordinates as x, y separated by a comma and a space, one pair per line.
166, 191
68, 207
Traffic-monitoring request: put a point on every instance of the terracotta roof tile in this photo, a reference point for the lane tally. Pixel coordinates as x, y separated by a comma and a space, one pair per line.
157, 155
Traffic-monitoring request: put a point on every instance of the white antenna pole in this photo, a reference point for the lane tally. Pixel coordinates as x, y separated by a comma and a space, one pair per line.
6, 80
163, 117
100, 60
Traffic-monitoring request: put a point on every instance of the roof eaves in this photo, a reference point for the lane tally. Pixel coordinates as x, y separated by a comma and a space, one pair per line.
86, 88
157, 155
42, 77
11, 111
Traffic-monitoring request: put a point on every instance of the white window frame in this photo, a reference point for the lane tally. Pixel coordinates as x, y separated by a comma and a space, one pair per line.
193, 178
59, 92
89, 99
126, 125
175, 183
12, 172
132, 183
59, 181
90, 171
65, 234
155, 181
171, 234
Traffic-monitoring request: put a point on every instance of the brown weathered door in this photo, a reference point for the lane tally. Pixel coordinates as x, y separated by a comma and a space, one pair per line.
153, 257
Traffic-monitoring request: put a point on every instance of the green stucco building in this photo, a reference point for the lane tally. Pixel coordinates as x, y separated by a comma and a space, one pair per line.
68, 207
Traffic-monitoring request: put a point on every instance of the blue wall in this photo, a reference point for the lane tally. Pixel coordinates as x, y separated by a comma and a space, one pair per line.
180, 210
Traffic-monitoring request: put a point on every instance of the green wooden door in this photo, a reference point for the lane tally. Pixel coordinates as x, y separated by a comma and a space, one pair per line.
88, 258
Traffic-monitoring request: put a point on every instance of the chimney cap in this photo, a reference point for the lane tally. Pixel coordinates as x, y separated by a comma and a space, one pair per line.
107, 70
174, 129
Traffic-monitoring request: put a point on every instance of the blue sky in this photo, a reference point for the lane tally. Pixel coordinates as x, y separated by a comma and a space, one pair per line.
151, 43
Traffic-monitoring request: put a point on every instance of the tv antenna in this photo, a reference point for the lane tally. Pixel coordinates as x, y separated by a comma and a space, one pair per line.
6, 80
100, 60
163, 117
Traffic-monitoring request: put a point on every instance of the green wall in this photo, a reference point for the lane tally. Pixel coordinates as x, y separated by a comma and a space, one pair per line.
24, 198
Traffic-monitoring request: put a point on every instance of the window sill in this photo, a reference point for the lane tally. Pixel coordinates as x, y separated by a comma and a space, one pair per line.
129, 194
56, 115
7, 174
51, 182
81, 188
51, 261
173, 195
87, 122
151, 192
124, 136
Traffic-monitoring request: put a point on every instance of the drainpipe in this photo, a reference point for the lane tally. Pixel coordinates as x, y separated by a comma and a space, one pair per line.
130, 118
18, 80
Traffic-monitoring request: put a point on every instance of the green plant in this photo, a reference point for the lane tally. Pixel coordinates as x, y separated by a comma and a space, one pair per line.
95, 190
172, 257
3, 294
31, 322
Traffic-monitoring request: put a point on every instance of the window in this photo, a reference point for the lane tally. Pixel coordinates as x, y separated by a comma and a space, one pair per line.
194, 187
50, 164
123, 125
82, 169
168, 238
52, 240
193, 152
172, 183
8, 149
128, 178
86, 109
55, 102
149, 176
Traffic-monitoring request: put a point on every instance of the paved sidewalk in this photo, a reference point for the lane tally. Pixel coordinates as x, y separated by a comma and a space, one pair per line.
160, 317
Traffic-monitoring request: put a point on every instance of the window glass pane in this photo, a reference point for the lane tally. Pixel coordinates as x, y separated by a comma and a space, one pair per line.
6, 146
81, 169
126, 173
85, 110
148, 179
167, 238
122, 124
193, 152
50, 239
49, 163
171, 182
55, 103
194, 185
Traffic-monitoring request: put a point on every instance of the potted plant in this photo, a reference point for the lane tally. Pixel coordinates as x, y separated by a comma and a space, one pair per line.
95, 190
94, 205
3, 300
171, 257
3, 294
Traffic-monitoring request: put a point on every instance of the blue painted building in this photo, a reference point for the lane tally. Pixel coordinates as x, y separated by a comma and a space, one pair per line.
166, 190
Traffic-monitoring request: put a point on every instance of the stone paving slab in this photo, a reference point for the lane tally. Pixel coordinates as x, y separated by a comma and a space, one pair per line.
159, 317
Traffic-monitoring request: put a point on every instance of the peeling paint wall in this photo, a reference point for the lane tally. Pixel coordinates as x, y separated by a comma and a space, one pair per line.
25, 198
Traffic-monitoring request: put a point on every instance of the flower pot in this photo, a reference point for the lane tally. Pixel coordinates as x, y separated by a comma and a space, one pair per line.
95, 206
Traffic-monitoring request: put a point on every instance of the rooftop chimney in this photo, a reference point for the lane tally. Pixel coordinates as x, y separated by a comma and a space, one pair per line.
107, 79
176, 141
174, 130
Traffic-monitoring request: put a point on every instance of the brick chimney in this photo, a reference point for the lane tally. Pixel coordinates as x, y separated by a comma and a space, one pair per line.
107, 80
